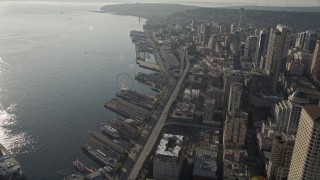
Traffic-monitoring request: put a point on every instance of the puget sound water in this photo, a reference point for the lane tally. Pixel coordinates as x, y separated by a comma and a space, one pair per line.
58, 66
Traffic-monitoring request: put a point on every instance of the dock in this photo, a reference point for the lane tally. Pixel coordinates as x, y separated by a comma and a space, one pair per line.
108, 143
127, 109
154, 78
125, 130
98, 153
136, 98
147, 65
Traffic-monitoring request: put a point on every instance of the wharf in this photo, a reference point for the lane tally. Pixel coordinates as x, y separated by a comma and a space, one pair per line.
138, 34
125, 130
136, 98
108, 142
133, 122
153, 78
147, 65
100, 152
127, 109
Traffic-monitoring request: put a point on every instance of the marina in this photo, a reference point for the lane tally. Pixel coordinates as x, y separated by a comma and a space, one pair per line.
127, 109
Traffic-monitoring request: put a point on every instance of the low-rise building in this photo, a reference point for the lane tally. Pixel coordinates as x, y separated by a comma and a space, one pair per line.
184, 112
235, 129
235, 164
205, 164
190, 95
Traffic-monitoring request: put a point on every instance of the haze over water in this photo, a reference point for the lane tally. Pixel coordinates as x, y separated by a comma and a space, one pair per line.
51, 91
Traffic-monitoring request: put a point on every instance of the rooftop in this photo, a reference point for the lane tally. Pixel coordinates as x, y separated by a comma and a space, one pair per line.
299, 94
313, 111
184, 110
170, 145
205, 164
235, 165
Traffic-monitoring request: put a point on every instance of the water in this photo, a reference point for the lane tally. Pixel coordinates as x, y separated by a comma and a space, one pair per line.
58, 65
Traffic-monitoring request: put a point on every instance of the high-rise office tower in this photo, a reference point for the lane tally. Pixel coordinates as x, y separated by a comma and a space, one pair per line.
240, 18
233, 27
213, 43
281, 154
315, 63
234, 97
235, 129
261, 49
279, 42
206, 34
305, 162
192, 25
310, 41
250, 47
306, 40
300, 40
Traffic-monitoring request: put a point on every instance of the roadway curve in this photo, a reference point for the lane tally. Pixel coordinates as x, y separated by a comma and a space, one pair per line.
148, 147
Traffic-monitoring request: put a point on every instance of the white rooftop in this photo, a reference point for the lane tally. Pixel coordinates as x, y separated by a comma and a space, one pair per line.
175, 141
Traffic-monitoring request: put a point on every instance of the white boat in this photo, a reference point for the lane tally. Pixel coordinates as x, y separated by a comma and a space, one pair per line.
110, 130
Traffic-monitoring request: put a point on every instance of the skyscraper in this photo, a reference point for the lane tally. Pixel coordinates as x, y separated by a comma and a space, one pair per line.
297, 100
315, 63
306, 40
250, 47
233, 27
261, 49
206, 34
305, 161
279, 42
282, 113
300, 40
281, 154
310, 41
287, 112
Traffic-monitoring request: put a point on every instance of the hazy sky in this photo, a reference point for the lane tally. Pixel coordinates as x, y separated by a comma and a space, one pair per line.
205, 2
254, 2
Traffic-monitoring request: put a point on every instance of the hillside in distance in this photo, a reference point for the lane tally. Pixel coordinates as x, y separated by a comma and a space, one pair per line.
297, 21
145, 10
273, 8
